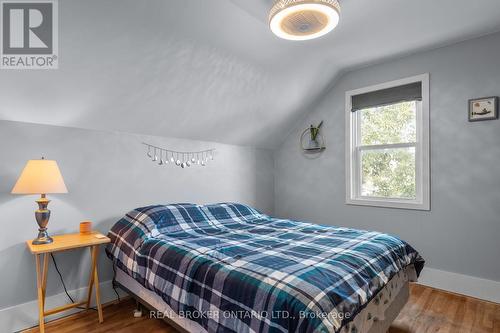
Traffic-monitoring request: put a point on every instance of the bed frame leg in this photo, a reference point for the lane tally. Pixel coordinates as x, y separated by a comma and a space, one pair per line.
138, 310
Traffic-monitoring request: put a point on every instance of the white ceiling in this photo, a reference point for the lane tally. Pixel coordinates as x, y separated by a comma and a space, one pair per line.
211, 69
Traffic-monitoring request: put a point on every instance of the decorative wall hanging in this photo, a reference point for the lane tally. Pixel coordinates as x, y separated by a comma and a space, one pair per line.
183, 159
485, 108
312, 140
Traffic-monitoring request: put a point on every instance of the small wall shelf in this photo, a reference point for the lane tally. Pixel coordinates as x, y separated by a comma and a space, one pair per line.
313, 150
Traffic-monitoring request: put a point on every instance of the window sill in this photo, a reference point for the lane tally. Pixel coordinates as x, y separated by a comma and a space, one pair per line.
387, 203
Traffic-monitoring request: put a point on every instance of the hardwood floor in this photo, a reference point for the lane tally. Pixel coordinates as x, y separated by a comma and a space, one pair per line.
117, 318
428, 310
432, 310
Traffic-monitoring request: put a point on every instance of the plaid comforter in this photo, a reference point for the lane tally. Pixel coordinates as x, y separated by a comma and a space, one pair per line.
232, 269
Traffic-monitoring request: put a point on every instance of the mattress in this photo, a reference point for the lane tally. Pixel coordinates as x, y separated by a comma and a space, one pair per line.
248, 272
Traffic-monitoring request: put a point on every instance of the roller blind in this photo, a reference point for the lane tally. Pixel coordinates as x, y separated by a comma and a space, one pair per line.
404, 93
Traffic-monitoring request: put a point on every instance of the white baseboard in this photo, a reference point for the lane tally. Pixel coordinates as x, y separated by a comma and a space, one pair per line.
23, 316
461, 284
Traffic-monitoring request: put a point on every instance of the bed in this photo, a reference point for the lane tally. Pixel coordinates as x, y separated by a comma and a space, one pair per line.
229, 268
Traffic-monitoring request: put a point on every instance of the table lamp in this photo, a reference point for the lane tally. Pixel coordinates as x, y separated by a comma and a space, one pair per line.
41, 177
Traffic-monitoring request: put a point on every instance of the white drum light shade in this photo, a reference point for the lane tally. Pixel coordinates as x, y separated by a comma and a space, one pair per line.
304, 19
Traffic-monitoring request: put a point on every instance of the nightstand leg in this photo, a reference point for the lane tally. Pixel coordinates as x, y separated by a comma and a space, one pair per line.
96, 284
91, 278
44, 274
39, 284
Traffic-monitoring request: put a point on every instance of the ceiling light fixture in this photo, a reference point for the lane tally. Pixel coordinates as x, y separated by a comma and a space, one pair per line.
304, 19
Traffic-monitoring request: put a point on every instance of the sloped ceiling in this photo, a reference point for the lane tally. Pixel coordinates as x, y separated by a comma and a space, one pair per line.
211, 69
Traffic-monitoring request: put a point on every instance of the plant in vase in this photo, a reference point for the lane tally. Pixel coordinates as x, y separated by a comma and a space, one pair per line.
314, 131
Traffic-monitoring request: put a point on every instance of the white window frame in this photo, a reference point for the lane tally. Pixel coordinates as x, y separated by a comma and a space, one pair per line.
422, 151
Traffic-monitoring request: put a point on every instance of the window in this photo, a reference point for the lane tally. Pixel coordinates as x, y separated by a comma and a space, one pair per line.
387, 153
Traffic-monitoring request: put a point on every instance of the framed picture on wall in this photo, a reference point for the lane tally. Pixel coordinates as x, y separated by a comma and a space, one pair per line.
485, 108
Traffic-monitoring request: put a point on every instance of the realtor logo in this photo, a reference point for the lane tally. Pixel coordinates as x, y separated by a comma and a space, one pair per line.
29, 34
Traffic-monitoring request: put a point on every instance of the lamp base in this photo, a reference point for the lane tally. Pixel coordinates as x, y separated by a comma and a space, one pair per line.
43, 238
42, 215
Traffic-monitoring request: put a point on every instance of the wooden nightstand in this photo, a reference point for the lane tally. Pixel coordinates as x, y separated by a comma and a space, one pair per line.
65, 243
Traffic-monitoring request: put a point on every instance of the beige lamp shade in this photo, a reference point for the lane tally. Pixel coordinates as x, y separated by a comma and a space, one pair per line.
40, 177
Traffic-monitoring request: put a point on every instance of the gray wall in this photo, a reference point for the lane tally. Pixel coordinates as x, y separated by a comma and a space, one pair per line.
461, 232
107, 174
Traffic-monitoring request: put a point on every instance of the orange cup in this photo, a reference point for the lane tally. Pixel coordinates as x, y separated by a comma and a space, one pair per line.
85, 227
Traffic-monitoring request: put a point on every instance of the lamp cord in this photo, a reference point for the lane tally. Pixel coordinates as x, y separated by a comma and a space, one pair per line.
64, 285
113, 283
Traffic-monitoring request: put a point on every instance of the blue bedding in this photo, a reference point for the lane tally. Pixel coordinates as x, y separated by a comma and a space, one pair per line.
233, 269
